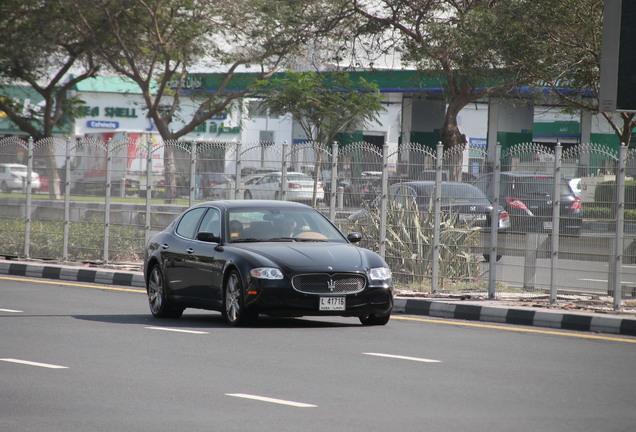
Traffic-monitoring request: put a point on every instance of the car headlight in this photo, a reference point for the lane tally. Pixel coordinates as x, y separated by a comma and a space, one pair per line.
380, 273
266, 273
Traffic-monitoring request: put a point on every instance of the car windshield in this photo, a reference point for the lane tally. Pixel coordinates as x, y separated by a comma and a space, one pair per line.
277, 224
451, 194
538, 185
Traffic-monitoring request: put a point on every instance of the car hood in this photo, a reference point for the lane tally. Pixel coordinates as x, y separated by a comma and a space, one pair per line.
310, 255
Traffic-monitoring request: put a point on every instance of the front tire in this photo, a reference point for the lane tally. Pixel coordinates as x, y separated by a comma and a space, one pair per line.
248, 195
234, 304
374, 320
160, 305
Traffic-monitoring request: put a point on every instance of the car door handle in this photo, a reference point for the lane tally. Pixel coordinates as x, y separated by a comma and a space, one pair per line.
190, 250
164, 246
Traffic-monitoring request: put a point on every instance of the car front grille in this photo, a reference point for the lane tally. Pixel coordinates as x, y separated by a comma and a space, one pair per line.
323, 283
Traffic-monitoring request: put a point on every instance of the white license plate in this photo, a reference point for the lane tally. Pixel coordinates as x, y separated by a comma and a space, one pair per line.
332, 304
467, 217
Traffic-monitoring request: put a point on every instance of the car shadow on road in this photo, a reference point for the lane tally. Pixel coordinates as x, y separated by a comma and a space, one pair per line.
213, 320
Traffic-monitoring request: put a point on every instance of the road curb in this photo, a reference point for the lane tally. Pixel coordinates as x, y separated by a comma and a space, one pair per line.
509, 315
440, 308
75, 274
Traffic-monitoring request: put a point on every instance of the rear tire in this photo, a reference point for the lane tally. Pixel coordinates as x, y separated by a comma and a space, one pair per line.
248, 195
160, 305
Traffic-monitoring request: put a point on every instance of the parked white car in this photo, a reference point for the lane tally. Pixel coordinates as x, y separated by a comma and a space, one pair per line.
300, 187
13, 176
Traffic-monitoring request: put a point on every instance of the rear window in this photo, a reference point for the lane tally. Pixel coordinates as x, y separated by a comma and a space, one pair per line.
451, 194
536, 186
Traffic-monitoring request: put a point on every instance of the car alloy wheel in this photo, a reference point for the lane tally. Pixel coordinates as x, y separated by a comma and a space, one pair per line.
234, 310
159, 304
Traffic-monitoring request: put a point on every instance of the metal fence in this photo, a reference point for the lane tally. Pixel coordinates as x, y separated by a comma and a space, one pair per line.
89, 200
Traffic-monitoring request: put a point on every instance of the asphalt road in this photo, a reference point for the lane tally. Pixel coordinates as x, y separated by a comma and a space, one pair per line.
79, 357
574, 275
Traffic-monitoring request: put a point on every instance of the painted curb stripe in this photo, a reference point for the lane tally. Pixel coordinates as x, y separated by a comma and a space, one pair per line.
567, 321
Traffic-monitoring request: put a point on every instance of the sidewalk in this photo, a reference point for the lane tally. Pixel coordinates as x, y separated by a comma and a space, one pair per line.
512, 309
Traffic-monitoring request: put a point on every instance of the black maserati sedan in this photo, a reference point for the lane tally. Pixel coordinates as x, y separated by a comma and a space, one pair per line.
250, 257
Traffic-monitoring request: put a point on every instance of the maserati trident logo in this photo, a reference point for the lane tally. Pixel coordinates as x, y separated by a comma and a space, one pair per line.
331, 285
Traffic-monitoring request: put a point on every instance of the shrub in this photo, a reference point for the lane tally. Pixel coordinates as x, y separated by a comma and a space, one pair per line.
409, 245
605, 194
86, 240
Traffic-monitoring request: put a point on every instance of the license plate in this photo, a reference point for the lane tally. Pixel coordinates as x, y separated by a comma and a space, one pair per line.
332, 304
467, 217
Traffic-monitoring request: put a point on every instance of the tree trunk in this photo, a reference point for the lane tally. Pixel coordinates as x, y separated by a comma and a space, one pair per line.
452, 139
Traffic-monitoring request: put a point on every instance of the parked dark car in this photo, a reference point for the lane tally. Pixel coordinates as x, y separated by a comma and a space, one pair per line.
528, 199
466, 202
251, 257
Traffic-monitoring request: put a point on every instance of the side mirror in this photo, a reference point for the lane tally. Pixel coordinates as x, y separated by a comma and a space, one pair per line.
208, 237
354, 237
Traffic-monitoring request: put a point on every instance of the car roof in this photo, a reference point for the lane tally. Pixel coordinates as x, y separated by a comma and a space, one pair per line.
252, 204
522, 174
422, 183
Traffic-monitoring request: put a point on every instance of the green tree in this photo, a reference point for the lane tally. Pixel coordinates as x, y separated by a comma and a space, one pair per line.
39, 50
156, 43
324, 105
559, 46
450, 36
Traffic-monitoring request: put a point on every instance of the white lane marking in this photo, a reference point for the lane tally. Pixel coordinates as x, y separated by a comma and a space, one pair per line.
177, 330
271, 400
10, 310
31, 363
603, 280
418, 359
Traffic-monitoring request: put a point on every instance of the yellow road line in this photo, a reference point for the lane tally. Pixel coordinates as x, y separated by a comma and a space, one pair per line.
63, 282
504, 326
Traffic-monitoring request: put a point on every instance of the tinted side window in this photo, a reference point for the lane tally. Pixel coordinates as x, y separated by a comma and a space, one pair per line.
189, 221
211, 222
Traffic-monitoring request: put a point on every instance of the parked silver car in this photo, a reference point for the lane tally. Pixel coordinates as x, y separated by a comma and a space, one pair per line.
300, 187
13, 176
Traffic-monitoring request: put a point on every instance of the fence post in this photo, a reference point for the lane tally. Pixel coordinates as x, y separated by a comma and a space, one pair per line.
149, 151
384, 198
109, 175
67, 198
334, 181
437, 205
237, 172
556, 222
616, 286
283, 177
29, 197
193, 178
494, 223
